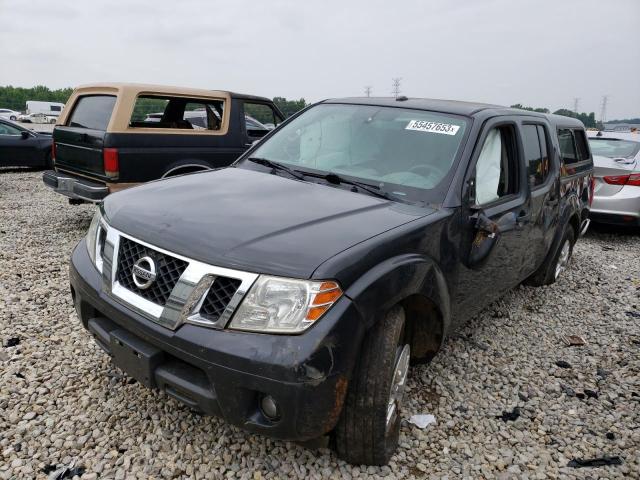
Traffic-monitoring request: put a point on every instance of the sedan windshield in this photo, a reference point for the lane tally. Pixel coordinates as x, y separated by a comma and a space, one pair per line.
614, 148
401, 151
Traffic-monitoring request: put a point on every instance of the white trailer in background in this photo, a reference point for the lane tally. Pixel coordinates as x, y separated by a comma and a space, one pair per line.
50, 110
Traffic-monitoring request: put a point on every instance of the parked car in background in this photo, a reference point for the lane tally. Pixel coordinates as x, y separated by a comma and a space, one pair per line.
9, 114
50, 109
616, 158
289, 292
20, 147
110, 136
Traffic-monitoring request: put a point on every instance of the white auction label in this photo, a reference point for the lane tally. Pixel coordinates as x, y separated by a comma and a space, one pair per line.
432, 127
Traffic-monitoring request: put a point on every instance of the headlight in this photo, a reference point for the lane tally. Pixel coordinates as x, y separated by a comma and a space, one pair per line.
95, 235
283, 305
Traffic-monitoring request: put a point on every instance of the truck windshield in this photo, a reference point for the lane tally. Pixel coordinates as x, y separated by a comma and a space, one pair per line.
401, 151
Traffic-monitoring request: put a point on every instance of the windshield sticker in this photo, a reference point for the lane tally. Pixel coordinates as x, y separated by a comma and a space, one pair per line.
432, 127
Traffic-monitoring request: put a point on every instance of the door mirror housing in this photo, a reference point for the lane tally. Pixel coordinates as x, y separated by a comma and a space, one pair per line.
24, 134
487, 235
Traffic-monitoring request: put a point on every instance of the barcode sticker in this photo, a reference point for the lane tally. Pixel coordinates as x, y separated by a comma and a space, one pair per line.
432, 127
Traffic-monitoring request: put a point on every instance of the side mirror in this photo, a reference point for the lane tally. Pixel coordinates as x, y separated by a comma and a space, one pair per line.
24, 134
487, 234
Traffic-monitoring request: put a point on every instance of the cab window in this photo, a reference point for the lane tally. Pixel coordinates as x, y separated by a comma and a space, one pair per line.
534, 141
497, 166
151, 111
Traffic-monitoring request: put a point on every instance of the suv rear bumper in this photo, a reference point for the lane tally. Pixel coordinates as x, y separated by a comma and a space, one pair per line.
224, 372
74, 187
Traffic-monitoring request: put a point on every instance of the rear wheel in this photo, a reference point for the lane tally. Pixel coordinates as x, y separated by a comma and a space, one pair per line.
555, 266
369, 426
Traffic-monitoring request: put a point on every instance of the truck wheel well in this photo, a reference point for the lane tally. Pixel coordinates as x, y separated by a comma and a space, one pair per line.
424, 326
181, 170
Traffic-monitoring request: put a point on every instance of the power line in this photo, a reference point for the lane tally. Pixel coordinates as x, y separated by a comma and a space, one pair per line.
367, 90
603, 110
396, 87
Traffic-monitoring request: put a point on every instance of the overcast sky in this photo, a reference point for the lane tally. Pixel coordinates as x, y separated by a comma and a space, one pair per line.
538, 52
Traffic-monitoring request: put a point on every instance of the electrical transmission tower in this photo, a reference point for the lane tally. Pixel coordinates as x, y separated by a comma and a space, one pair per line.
603, 110
367, 90
396, 87
576, 102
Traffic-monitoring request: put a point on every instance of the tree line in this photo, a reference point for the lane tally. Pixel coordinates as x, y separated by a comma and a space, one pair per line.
16, 98
589, 119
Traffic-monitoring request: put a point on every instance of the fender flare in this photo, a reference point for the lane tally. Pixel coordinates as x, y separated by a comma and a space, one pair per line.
396, 279
176, 168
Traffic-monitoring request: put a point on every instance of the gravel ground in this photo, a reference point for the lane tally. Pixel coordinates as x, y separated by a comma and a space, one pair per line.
60, 399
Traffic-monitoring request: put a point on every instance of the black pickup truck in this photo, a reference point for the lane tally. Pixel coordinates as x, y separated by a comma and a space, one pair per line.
113, 136
289, 292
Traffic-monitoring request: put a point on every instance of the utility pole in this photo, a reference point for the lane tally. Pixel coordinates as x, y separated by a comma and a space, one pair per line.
576, 102
396, 87
603, 111
367, 90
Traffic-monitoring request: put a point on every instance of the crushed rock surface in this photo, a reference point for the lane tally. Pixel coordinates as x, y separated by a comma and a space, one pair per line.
61, 399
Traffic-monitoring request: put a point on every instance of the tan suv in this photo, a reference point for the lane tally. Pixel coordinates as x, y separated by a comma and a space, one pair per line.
112, 136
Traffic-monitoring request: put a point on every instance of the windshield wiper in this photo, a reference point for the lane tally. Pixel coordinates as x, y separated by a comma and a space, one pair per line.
336, 179
276, 166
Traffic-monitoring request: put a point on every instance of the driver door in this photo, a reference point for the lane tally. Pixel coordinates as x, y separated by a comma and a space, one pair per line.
494, 218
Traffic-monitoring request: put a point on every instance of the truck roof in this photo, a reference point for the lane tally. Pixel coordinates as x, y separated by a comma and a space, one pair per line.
468, 109
136, 88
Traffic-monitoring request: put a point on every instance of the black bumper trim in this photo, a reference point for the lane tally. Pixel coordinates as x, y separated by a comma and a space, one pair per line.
226, 373
75, 188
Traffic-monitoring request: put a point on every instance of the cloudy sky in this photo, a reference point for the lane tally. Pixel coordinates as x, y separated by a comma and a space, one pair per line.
535, 52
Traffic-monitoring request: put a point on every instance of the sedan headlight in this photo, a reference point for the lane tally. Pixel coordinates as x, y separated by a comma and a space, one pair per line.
284, 305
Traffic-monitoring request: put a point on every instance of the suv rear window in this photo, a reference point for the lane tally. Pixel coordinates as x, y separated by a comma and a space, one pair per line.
151, 111
92, 112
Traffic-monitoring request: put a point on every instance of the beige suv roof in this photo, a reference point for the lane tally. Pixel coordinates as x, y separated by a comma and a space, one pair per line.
127, 93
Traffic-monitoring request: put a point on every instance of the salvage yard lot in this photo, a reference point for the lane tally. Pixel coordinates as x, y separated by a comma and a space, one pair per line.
61, 399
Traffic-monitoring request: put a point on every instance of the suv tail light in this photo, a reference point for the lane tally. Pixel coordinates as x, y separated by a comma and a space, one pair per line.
592, 189
633, 179
111, 164
53, 152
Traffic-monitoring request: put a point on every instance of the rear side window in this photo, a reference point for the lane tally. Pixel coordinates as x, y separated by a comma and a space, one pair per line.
581, 144
567, 146
92, 112
151, 111
534, 139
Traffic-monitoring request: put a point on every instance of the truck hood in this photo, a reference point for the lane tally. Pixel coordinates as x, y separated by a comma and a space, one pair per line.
253, 221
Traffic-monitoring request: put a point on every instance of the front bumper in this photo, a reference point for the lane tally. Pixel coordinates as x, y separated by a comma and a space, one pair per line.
226, 373
75, 188
622, 208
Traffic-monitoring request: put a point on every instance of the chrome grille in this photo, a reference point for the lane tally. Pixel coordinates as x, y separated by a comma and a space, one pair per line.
220, 294
169, 270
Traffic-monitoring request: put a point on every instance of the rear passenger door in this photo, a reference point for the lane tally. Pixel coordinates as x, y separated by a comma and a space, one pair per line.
542, 165
80, 141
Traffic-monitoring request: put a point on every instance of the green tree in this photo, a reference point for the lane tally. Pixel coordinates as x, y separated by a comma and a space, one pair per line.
289, 107
16, 98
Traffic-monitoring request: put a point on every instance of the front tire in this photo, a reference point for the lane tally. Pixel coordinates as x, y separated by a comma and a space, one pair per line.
369, 426
554, 267
13, 118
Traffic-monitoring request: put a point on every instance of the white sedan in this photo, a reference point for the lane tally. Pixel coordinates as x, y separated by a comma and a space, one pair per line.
9, 114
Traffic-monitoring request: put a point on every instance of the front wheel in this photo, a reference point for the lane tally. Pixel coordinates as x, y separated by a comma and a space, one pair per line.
369, 426
13, 118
